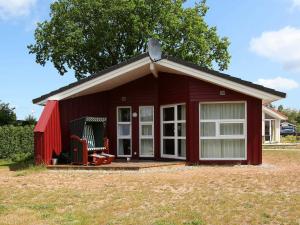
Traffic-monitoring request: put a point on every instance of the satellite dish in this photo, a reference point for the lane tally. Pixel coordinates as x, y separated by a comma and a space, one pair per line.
154, 49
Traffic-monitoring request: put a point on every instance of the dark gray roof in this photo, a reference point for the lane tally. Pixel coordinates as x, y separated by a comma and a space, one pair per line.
179, 61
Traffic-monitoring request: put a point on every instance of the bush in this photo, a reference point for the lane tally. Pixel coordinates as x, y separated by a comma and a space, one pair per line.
289, 139
16, 142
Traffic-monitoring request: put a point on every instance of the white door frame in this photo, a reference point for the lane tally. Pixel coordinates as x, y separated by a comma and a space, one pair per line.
270, 129
176, 137
130, 130
140, 131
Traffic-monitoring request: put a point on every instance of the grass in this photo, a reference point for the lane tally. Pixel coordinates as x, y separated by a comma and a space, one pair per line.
268, 194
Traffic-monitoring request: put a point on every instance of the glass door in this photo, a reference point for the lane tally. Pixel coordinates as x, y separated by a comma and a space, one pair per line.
124, 131
267, 130
173, 131
146, 121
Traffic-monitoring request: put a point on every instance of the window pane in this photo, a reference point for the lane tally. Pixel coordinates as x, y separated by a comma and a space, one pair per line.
146, 113
169, 146
168, 114
181, 112
169, 130
124, 114
233, 111
181, 129
231, 128
222, 111
210, 111
123, 129
234, 148
181, 148
147, 147
146, 130
208, 129
211, 148
222, 149
124, 147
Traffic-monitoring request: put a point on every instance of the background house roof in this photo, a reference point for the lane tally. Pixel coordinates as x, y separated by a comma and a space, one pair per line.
274, 113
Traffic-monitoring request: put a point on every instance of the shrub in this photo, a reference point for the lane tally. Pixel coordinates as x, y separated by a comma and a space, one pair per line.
16, 142
289, 139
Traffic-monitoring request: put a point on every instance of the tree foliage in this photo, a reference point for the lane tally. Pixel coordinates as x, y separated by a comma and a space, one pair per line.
7, 114
292, 114
29, 120
91, 35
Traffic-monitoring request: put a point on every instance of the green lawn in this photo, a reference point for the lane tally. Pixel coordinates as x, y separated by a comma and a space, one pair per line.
268, 194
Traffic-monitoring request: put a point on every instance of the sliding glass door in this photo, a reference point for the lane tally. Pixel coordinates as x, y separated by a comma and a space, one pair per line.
173, 131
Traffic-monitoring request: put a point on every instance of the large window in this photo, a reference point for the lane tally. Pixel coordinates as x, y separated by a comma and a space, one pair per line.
124, 131
173, 131
146, 131
223, 131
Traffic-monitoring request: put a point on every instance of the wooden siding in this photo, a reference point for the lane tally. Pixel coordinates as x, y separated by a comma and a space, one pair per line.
70, 109
47, 134
200, 92
166, 89
141, 92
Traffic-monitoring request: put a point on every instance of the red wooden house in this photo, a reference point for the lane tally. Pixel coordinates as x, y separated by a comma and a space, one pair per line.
165, 109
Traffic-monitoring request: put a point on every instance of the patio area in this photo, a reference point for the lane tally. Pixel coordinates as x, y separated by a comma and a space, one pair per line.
119, 165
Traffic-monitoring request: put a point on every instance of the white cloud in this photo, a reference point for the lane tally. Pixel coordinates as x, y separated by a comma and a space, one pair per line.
296, 4
278, 83
282, 46
15, 8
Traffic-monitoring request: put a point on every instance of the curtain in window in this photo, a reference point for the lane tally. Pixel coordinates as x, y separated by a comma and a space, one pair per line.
147, 147
222, 133
231, 129
208, 129
222, 148
146, 113
222, 111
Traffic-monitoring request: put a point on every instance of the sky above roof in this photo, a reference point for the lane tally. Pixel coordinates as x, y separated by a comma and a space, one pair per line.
264, 35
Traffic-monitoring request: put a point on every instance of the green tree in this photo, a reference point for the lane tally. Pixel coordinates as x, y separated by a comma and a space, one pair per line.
29, 120
7, 114
280, 108
91, 35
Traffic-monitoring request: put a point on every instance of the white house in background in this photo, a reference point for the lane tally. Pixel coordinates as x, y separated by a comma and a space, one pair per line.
271, 120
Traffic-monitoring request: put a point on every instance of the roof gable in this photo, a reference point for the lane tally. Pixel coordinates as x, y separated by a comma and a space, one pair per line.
142, 65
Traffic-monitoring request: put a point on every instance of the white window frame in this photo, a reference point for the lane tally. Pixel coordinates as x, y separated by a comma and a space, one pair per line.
141, 136
218, 135
176, 137
124, 136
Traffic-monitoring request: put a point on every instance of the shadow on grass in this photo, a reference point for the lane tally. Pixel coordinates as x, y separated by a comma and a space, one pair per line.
20, 165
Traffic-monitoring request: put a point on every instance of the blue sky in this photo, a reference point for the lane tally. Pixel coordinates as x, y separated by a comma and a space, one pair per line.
264, 35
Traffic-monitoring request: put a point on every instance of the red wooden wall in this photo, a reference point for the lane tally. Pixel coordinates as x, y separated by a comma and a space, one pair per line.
47, 134
200, 91
70, 109
166, 89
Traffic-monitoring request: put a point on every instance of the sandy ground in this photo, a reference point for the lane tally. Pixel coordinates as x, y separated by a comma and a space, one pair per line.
266, 194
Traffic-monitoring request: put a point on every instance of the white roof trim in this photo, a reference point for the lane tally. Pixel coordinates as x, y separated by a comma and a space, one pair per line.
182, 69
93, 82
274, 114
267, 97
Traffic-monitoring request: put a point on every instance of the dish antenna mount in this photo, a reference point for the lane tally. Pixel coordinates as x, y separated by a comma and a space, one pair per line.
154, 49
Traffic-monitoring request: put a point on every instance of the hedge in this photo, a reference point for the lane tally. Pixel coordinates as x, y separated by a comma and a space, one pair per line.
16, 142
